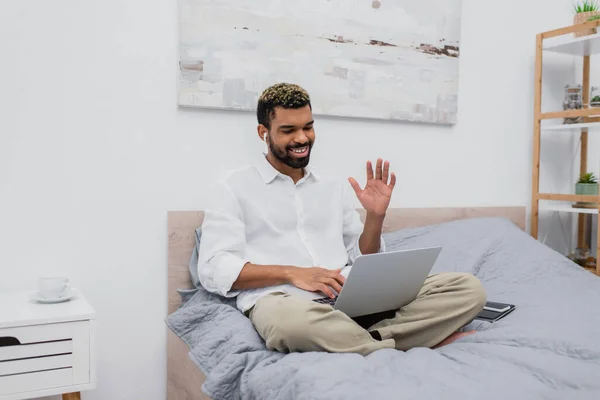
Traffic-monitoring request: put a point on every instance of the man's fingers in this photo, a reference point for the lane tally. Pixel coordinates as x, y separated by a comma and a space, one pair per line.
338, 277
378, 169
392, 181
386, 172
332, 283
355, 185
325, 289
369, 170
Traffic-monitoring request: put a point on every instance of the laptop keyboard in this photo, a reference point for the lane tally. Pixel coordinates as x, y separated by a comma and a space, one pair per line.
326, 300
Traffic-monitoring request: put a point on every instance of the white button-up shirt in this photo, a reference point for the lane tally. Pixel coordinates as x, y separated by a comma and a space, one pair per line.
259, 215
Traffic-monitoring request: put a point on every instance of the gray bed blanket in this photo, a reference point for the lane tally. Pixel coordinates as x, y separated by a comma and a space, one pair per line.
548, 348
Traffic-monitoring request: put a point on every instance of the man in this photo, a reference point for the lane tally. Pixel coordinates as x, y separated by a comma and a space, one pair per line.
279, 235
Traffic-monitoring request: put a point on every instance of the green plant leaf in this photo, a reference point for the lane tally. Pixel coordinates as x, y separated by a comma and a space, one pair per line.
587, 177
586, 6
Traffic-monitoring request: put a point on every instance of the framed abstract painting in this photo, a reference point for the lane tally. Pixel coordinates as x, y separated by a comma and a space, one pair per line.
376, 59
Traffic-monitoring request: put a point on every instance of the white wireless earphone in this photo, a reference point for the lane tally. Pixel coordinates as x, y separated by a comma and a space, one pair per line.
266, 144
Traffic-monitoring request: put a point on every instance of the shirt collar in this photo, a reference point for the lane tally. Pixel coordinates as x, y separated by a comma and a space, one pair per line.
268, 173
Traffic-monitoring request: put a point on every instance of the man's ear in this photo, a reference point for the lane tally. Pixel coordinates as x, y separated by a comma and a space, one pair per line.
262, 132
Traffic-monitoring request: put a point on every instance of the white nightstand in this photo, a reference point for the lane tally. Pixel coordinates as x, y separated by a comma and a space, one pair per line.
46, 349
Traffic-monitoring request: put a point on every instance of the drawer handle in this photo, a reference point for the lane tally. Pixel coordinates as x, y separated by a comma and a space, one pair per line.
6, 341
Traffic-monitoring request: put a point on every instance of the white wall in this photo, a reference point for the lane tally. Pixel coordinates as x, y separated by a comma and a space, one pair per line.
93, 152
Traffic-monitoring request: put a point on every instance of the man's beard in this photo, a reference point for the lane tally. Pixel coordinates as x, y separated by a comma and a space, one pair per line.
289, 160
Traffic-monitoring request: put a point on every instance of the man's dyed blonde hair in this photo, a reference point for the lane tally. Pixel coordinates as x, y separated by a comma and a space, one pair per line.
285, 95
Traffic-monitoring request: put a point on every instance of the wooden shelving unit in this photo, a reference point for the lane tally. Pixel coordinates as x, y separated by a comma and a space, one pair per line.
584, 47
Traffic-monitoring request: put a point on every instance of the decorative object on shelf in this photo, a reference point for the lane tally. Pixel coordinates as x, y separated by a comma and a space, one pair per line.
587, 185
573, 101
584, 10
583, 258
580, 256
595, 96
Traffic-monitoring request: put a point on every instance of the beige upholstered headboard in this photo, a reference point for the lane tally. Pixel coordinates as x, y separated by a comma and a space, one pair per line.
184, 378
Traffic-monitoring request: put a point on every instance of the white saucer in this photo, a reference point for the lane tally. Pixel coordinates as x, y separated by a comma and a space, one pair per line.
70, 295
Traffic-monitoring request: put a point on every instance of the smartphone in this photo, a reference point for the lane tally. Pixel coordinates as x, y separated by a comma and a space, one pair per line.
493, 311
497, 307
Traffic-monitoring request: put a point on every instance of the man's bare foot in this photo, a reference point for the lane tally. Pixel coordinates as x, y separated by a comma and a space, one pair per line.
455, 336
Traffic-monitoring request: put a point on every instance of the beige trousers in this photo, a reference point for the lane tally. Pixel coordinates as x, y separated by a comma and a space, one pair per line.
445, 303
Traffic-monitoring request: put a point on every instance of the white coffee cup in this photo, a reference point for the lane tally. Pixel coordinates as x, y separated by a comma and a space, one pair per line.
53, 287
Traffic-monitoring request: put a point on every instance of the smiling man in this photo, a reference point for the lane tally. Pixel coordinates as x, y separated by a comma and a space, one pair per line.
279, 235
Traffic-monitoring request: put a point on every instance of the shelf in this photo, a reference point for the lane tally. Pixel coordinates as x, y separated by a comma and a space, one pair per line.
582, 46
567, 207
571, 127
585, 112
568, 197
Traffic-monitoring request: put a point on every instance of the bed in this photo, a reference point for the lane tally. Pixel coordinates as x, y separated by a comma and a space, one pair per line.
547, 348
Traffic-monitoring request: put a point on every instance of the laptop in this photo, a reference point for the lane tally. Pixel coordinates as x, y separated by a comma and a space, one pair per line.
384, 281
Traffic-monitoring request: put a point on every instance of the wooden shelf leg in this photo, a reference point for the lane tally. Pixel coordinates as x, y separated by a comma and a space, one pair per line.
71, 396
537, 111
535, 214
583, 156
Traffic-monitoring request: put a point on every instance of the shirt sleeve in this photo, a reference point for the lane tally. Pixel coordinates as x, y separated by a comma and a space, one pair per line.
223, 243
353, 227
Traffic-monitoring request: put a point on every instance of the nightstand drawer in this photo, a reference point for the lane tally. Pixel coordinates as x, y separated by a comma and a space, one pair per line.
57, 354
35, 381
36, 350
26, 365
40, 333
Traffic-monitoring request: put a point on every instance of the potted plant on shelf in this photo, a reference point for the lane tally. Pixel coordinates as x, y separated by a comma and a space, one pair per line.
587, 185
595, 96
584, 10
